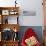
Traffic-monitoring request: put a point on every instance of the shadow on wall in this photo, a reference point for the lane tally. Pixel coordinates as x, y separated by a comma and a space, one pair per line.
37, 29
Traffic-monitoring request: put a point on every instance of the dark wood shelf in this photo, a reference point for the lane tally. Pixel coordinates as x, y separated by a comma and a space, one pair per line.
11, 26
4, 24
9, 43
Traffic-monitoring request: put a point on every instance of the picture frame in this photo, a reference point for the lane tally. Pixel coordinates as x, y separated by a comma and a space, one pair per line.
5, 12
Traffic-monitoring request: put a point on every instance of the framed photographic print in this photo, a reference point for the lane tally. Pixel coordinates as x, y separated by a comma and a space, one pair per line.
5, 12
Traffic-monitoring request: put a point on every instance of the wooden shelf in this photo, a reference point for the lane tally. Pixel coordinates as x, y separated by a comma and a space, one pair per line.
9, 43
4, 13
11, 15
9, 8
10, 26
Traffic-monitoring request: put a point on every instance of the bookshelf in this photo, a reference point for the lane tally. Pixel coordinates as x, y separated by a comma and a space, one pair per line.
9, 23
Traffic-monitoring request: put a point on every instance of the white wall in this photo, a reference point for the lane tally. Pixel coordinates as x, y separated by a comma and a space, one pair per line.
27, 5
6, 3
32, 5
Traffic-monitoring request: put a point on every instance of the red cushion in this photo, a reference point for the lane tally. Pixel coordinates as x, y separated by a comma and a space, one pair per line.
29, 33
